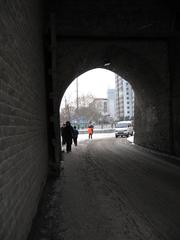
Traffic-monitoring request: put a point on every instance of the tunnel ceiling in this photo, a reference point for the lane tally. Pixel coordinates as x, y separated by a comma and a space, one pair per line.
89, 32
137, 37
116, 18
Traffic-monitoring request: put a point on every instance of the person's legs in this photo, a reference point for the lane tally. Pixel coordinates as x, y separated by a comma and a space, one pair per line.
75, 141
68, 146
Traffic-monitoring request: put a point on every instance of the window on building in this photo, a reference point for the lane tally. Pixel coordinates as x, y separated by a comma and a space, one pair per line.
105, 106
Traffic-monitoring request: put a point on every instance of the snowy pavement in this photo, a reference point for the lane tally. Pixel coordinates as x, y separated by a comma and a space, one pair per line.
83, 137
111, 190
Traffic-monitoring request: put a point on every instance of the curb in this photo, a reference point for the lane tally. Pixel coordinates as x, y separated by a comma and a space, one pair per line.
167, 157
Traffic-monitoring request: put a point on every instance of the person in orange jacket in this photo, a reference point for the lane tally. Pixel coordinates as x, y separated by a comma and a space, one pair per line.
90, 131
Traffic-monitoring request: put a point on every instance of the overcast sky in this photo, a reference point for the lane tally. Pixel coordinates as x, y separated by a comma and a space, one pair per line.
95, 82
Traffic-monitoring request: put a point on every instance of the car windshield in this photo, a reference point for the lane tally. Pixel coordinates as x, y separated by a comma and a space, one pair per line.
122, 125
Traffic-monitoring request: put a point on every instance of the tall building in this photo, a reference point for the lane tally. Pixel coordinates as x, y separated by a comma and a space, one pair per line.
124, 99
111, 96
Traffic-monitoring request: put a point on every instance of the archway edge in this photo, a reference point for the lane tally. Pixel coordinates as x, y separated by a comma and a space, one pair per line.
144, 64
137, 62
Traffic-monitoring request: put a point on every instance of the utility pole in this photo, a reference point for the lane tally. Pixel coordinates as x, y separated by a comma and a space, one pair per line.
77, 101
77, 93
65, 104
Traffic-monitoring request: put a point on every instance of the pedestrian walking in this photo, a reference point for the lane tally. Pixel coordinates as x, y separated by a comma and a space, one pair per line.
75, 135
90, 131
68, 136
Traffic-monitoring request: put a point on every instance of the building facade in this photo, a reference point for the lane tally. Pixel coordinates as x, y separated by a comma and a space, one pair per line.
124, 104
101, 104
111, 96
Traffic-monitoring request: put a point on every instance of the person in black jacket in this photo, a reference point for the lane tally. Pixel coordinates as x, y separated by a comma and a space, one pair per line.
68, 136
75, 135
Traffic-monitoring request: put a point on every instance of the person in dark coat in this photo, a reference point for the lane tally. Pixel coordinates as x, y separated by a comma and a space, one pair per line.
75, 135
68, 136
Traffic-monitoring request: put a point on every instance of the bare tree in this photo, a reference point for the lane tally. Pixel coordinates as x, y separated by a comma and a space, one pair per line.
85, 110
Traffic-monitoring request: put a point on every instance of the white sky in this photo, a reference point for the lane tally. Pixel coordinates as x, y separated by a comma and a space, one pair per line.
95, 82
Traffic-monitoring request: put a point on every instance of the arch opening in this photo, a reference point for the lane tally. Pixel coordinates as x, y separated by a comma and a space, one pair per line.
99, 97
132, 61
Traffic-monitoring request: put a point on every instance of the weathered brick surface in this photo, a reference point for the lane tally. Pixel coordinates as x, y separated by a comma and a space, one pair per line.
175, 85
23, 139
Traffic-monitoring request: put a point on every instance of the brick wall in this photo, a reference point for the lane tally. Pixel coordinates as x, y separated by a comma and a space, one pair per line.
23, 140
175, 87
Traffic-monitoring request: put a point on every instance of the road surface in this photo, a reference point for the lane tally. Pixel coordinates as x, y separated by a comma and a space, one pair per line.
112, 190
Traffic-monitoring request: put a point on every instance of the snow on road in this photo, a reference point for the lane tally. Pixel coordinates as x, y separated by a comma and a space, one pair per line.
83, 137
110, 190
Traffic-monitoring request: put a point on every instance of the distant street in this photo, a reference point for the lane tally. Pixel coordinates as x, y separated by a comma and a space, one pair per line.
110, 190
84, 136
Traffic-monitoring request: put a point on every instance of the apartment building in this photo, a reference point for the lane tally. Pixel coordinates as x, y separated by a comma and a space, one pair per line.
111, 96
124, 103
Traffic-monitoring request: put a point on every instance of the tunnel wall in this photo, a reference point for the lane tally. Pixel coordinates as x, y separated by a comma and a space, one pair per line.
23, 138
175, 96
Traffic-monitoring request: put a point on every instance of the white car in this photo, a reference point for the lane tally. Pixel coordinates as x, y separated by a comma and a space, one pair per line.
124, 129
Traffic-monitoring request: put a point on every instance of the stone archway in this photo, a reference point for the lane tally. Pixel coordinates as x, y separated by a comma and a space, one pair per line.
143, 63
